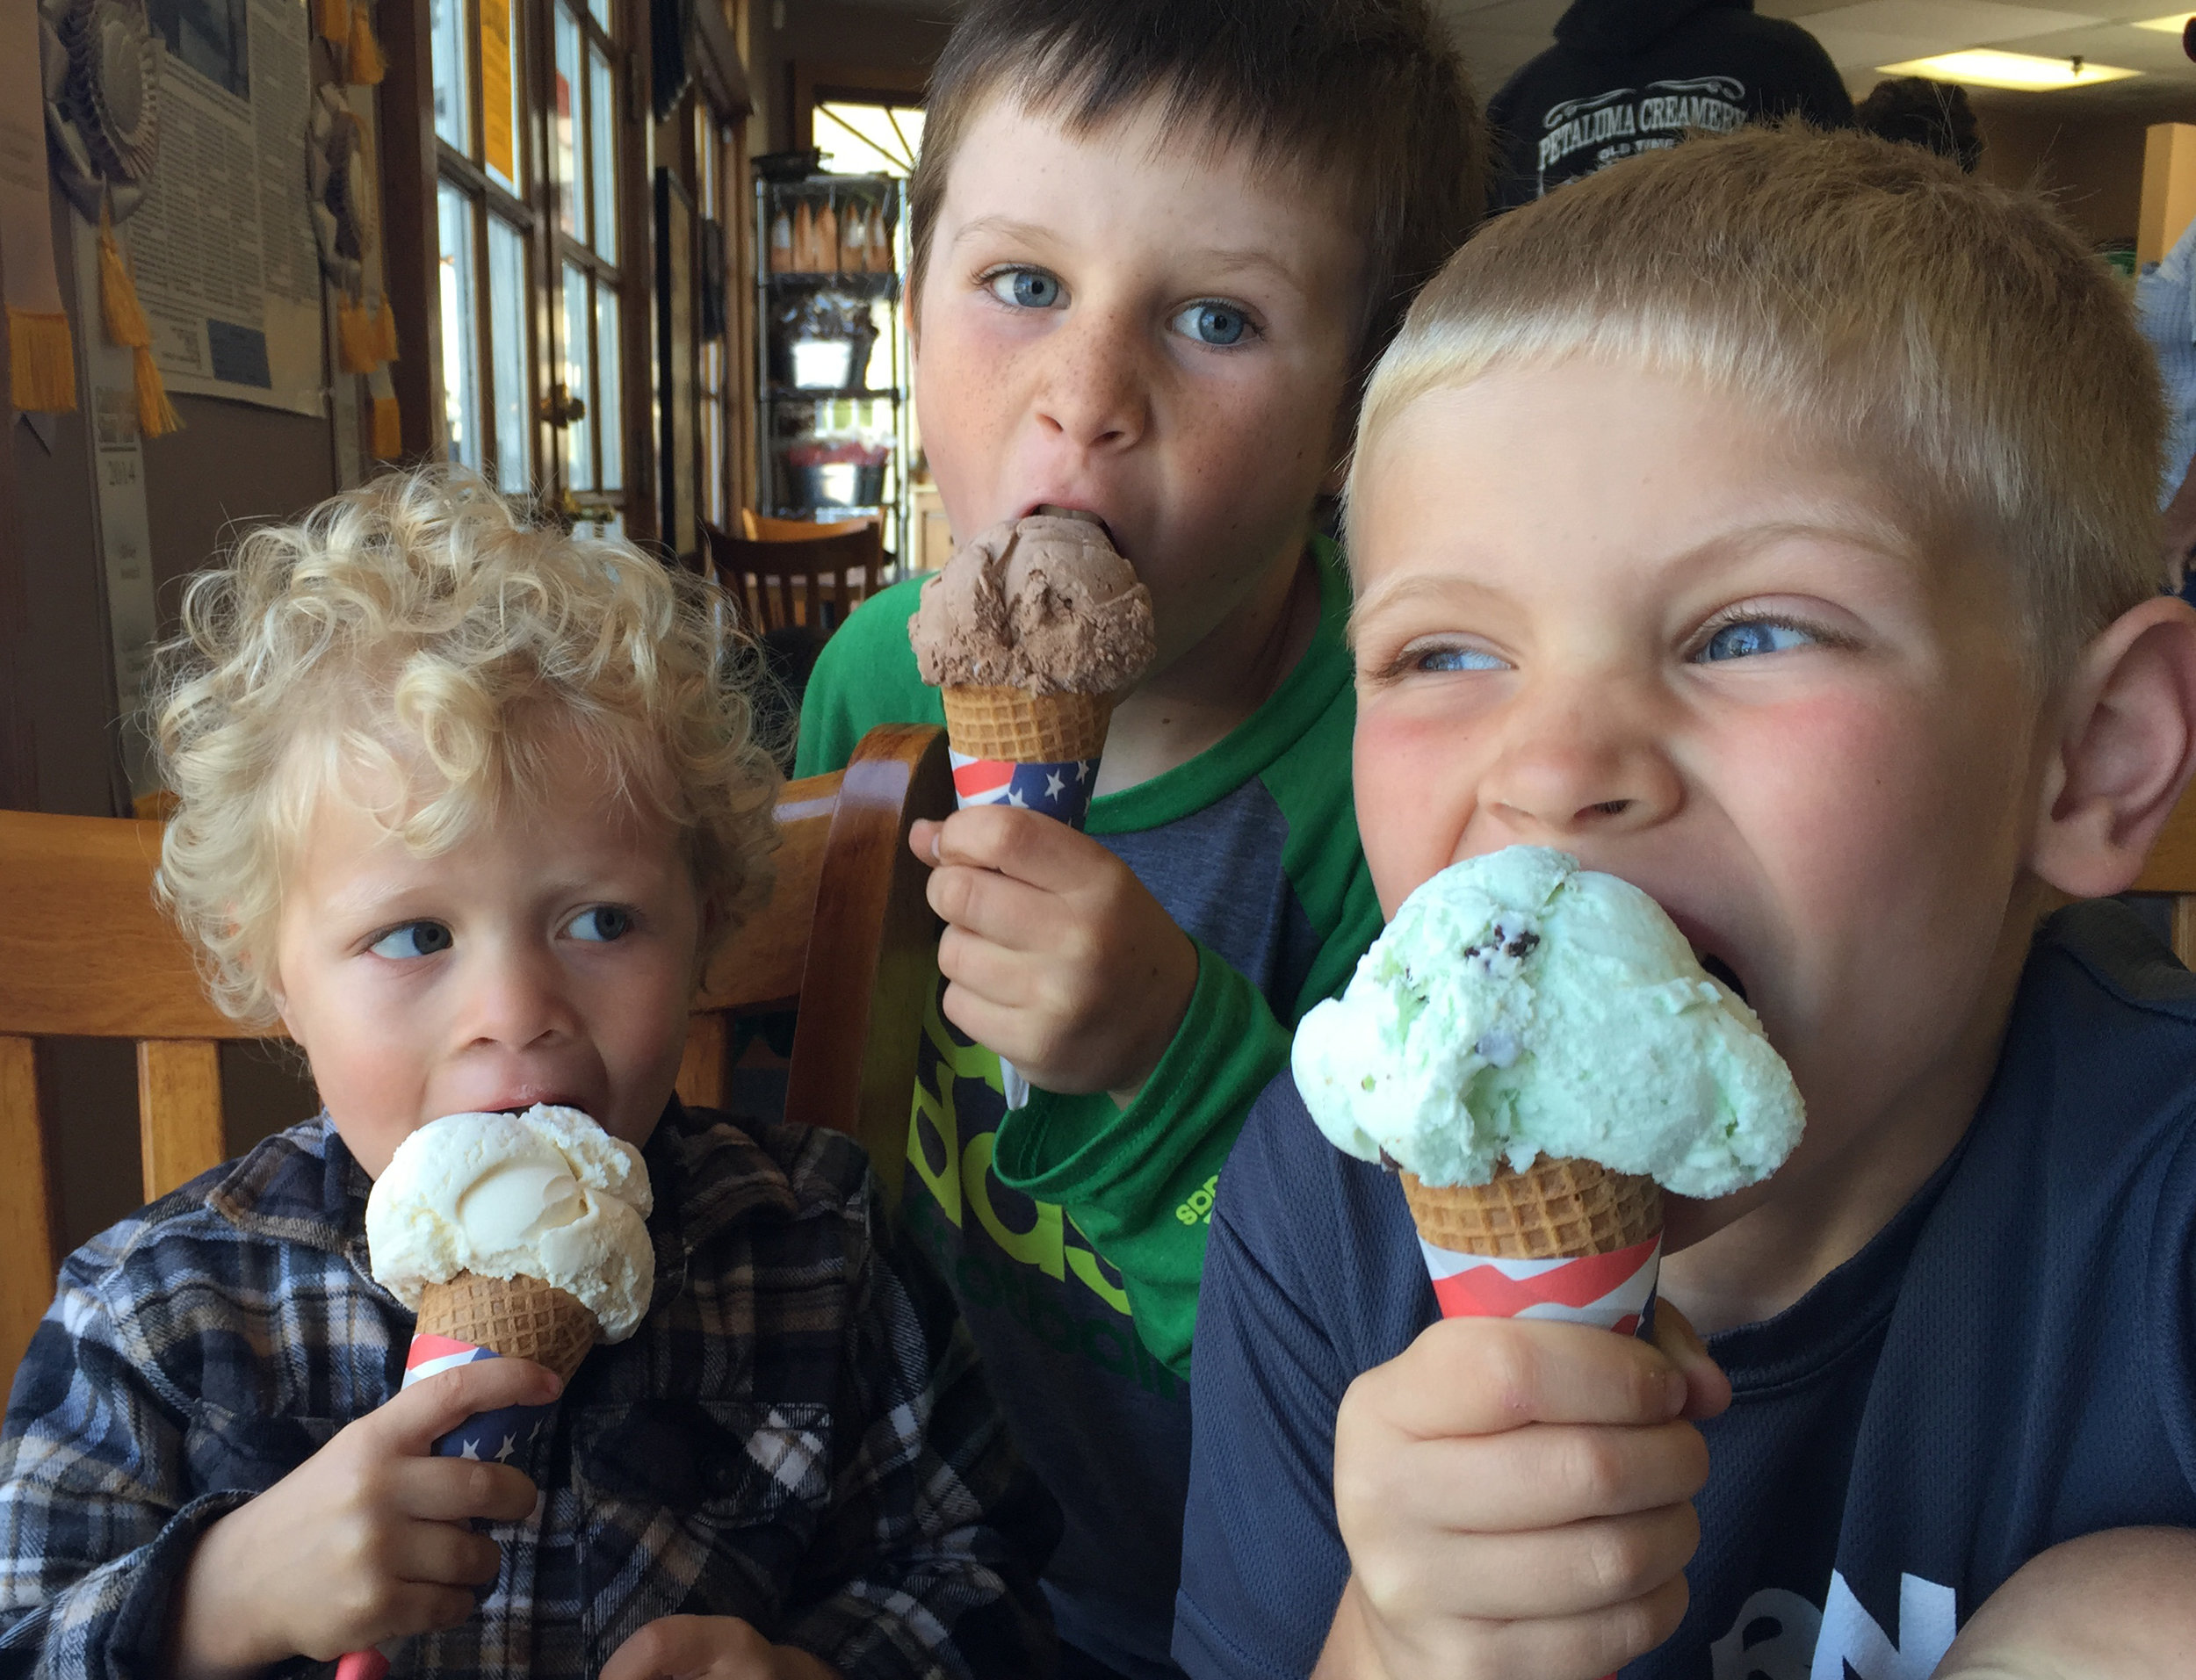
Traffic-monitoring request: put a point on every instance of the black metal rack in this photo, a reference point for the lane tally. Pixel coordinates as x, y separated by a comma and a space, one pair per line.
832, 440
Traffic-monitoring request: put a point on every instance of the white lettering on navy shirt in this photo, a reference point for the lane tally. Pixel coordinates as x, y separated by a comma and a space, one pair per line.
1780, 1635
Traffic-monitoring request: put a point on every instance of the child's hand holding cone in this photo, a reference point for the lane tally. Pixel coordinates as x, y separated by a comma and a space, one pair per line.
1055, 955
369, 1540
1515, 1496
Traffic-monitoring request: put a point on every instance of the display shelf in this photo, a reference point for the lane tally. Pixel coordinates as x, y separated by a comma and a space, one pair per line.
861, 285
848, 393
806, 315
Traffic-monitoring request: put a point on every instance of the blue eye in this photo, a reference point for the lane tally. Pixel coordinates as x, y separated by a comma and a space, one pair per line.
601, 924
1218, 324
1459, 659
414, 938
1028, 288
1749, 636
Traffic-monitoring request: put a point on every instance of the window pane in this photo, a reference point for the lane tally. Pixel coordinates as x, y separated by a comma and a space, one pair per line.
601, 8
612, 430
507, 332
460, 327
571, 201
500, 124
602, 122
579, 436
452, 73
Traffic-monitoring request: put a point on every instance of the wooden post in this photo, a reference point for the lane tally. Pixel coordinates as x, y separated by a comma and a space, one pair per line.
27, 1259
2169, 189
178, 1111
411, 251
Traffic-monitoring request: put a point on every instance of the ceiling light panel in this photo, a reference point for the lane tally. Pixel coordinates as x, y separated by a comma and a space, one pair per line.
1985, 67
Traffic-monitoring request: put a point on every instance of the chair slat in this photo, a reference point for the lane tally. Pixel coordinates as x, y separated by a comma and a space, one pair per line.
27, 1256
787, 582
855, 1044
178, 1111
703, 1076
2184, 930
760, 969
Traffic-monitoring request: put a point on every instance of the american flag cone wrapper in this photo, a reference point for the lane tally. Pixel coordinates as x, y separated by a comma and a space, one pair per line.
530, 1319
1034, 752
1564, 1239
1567, 1240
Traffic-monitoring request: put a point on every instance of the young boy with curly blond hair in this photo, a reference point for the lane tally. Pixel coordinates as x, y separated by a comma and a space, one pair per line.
1767, 522
467, 806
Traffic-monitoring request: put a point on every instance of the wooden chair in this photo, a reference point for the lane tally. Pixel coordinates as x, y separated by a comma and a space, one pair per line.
847, 937
783, 583
760, 528
2171, 870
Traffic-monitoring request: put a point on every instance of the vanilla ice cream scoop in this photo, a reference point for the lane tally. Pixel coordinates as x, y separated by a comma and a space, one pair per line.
1519, 1006
546, 1194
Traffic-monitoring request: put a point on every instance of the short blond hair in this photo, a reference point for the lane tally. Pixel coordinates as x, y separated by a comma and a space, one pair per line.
422, 630
1955, 340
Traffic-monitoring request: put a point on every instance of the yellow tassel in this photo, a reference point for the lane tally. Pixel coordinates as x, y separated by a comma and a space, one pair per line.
354, 338
366, 65
332, 19
118, 308
124, 318
156, 416
388, 430
41, 361
384, 333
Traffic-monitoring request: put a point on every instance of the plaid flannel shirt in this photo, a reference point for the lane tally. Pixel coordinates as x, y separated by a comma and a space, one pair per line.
798, 1434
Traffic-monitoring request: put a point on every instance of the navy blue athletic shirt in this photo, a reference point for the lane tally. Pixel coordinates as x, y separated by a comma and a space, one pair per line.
2011, 1362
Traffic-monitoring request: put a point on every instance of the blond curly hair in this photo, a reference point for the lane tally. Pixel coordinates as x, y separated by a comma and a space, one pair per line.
422, 631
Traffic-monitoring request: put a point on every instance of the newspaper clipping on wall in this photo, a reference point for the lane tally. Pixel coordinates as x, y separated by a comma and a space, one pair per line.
222, 247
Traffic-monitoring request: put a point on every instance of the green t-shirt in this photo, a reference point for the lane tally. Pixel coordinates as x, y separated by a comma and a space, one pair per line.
1073, 1231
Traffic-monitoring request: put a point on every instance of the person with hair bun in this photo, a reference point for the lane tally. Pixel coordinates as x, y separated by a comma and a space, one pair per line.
468, 804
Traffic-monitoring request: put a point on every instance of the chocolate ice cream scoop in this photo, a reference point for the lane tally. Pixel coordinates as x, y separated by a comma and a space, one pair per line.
1043, 604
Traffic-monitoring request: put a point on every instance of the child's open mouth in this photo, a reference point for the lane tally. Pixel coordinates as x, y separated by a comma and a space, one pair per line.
1722, 971
1056, 512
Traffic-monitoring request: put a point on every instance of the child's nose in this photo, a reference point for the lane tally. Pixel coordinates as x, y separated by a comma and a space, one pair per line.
1576, 761
1095, 389
515, 998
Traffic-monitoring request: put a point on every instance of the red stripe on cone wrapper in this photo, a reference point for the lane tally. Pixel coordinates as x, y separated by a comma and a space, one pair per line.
1564, 1239
1613, 1290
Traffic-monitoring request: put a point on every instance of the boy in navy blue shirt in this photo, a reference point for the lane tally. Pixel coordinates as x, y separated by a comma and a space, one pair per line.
1768, 521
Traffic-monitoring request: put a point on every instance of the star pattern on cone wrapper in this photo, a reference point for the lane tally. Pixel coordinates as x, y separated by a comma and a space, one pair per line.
1060, 791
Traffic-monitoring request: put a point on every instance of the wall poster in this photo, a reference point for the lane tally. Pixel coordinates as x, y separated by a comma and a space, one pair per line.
223, 248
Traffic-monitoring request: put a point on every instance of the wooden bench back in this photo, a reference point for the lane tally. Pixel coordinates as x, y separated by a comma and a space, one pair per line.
2171, 870
782, 583
846, 937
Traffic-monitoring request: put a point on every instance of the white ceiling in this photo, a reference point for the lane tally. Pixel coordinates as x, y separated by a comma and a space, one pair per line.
1497, 36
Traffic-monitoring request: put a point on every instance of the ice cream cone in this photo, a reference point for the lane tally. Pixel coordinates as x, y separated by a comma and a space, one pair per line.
1013, 726
518, 1318
1553, 1209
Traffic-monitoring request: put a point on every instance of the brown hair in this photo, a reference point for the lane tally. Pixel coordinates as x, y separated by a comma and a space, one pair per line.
1365, 93
1958, 340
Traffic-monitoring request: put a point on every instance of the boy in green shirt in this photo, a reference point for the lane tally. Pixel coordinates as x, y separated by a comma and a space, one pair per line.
1156, 244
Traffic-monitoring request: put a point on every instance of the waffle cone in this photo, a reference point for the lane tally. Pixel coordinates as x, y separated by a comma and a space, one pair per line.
1016, 727
1553, 1209
519, 1318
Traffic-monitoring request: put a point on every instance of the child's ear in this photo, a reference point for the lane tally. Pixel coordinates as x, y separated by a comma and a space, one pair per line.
2126, 748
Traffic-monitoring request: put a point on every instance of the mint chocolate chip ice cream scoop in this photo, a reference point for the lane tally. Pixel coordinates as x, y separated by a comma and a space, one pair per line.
1520, 1007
